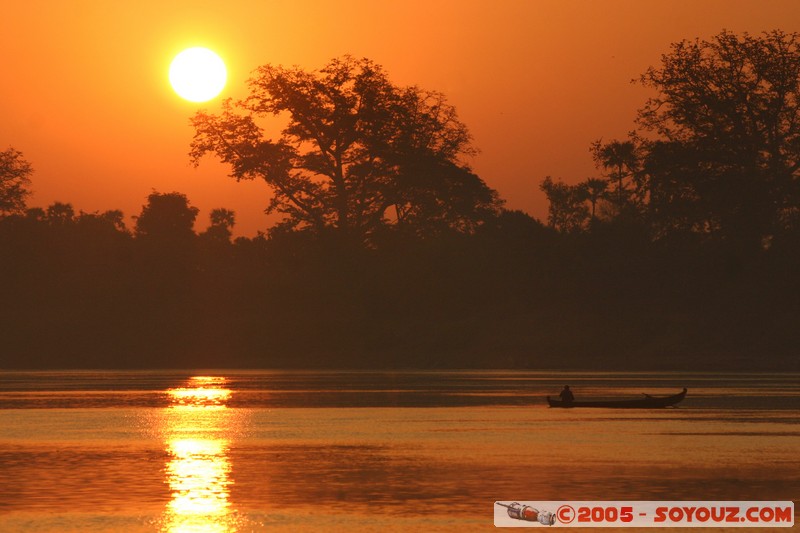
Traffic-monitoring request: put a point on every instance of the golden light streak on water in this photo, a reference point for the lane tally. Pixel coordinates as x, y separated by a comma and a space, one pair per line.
197, 428
201, 392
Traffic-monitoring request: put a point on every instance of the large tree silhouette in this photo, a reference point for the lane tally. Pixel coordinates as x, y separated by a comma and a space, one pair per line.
727, 116
357, 152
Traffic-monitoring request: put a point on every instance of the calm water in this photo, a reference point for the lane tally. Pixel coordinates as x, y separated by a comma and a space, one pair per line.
359, 451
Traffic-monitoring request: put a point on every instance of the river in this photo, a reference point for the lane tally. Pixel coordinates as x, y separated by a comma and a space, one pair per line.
215, 451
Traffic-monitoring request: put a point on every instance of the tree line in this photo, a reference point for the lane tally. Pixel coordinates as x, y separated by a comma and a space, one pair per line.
715, 155
683, 252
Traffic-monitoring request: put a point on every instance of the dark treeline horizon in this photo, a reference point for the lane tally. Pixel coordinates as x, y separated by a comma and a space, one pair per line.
682, 253
82, 291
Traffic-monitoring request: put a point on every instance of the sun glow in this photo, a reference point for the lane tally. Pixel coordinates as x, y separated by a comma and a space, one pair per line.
197, 74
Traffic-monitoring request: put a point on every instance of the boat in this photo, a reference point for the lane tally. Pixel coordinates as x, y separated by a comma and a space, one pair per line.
647, 402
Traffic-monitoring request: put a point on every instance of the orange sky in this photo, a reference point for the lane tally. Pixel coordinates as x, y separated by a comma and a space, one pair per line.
84, 91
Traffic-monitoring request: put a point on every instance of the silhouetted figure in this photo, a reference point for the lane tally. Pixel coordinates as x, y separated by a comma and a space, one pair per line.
566, 395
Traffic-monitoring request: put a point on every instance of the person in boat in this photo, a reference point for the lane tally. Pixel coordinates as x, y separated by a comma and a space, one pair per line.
566, 395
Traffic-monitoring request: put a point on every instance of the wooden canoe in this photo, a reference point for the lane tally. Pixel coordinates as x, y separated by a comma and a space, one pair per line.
646, 402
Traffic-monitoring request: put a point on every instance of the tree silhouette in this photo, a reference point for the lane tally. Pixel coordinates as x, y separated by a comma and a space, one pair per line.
60, 214
596, 190
166, 217
166, 260
354, 147
567, 211
116, 218
222, 223
621, 159
108, 222
15, 175
35, 214
727, 114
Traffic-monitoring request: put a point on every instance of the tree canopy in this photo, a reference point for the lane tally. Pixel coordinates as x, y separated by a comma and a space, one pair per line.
727, 114
166, 217
356, 154
15, 174
717, 152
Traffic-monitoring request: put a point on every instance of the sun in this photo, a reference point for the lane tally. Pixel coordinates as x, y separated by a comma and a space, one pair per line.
197, 74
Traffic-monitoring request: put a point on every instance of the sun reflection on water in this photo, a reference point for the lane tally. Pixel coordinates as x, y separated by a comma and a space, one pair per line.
198, 427
202, 392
